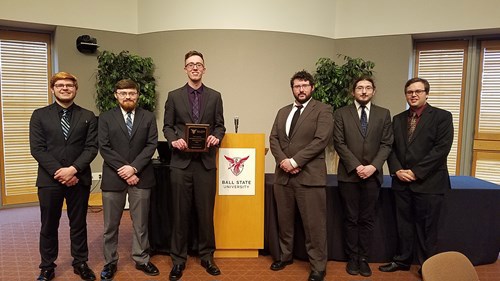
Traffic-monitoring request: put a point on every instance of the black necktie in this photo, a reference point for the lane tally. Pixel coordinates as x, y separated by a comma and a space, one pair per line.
363, 120
295, 117
196, 107
65, 123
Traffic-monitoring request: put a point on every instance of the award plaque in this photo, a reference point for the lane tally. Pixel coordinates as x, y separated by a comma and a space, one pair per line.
196, 137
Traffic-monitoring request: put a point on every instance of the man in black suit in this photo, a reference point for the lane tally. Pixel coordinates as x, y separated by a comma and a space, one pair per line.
362, 137
300, 133
193, 175
423, 136
63, 140
127, 140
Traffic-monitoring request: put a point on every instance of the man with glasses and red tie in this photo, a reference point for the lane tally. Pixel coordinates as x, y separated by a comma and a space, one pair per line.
300, 133
423, 136
63, 140
193, 174
128, 136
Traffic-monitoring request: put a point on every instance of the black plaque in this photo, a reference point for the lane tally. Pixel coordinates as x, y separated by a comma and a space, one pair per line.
196, 137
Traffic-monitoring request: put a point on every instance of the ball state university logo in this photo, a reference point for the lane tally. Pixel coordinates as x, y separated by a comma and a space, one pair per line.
236, 164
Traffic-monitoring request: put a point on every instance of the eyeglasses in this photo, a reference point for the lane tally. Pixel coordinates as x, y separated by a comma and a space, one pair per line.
417, 92
124, 94
361, 88
299, 87
191, 65
69, 86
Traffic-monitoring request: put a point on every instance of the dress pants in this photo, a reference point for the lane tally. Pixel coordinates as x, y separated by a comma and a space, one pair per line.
51, 201
311, 202
112, 205
417, 216
359, 200
193, 188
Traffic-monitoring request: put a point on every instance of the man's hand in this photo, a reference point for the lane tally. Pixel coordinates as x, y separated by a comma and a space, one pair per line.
286, 165
212, 141
64, 175
365, 172
72, 182
126, 171
180, 144
133, 180
406, 175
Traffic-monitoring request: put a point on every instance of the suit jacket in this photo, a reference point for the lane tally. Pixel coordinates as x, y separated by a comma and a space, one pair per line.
178, 113
306, 145
118, 149
426, 154
355, 149
52, 151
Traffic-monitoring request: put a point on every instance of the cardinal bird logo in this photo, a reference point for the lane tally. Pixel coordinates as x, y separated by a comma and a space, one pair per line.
236, 164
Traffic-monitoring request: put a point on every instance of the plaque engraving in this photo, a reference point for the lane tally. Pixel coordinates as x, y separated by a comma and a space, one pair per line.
196, 137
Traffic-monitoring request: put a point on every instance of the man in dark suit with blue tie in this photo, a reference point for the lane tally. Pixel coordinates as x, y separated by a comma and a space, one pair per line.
127, 140
362, 137
423, 136
300, 133
193, 174
63, 140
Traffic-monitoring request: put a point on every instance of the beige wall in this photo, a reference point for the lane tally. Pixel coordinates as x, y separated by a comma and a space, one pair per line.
84, 66
251, 69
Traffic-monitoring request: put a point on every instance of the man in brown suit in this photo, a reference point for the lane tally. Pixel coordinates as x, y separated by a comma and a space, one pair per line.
300, 133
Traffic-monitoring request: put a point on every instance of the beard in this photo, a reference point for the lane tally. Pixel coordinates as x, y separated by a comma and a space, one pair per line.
128, 105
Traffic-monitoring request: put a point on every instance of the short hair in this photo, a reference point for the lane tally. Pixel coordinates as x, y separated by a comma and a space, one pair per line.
303, 76
63, 76
363, 78
193, 53
126, 84
427, 87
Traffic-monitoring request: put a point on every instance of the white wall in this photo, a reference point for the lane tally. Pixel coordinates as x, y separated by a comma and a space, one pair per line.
364, 18
326, 18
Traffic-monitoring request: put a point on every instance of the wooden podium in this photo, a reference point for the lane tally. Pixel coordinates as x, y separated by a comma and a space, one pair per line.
239, 219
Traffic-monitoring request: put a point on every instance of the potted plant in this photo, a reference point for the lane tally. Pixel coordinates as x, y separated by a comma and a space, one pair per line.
112, 67
333, 87
333, 81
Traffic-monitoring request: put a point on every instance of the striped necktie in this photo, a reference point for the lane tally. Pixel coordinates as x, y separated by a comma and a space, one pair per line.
65, 123
128, 123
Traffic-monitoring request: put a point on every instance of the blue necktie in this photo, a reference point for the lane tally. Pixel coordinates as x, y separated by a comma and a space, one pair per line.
129, 123
65, 123
364, 121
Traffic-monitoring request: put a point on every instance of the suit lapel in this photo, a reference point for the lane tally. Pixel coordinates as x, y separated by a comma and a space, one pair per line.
204, 101
354, 116
117, 114
303, 116
55, 119
76, 114
422, 123
139, 114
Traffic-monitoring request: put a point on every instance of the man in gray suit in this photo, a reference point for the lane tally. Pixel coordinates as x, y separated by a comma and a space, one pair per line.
300, 133
193, 174
63, 140
362, 137
127, 140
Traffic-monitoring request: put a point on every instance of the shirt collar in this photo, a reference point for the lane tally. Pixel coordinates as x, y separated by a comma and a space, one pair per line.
418, 110
190, 89
295, 103
358, 105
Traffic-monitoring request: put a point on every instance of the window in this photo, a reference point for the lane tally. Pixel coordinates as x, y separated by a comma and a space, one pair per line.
24, 73
443, 64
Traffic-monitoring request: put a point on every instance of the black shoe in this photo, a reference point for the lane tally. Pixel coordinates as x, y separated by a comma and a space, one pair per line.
364, 268
317, 276
211, 267
352, 267
176, 272
393, 266
148, 268
46, 275
279, 265
108, 272
84, 271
